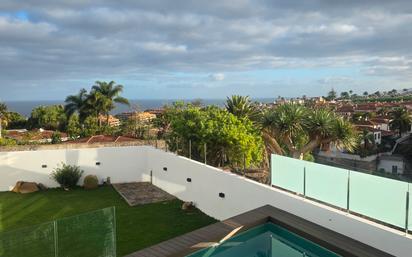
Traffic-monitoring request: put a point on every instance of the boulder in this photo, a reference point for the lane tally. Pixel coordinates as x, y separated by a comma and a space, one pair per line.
42, 187
25, 187
16, 188
187, 206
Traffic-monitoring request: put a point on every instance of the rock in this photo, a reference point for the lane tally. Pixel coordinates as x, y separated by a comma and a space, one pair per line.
25, 187
16, 188
187, 206
28, 187
90, 182
42, 187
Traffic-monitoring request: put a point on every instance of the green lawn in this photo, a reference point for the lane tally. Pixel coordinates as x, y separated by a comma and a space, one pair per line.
137, 227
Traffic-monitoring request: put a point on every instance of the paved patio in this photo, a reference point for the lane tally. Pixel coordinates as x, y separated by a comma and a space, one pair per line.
141, 193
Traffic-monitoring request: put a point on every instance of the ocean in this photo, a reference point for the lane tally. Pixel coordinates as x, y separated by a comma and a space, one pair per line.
25, 107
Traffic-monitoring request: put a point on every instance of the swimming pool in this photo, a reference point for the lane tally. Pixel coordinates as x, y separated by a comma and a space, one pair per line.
266, 240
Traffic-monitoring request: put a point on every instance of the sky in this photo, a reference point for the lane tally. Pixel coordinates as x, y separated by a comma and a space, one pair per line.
204, 49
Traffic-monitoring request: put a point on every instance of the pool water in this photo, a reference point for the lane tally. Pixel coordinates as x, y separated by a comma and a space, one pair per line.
267, 240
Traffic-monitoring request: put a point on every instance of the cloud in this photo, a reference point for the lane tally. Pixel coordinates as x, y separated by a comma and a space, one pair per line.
217, 77
59, 43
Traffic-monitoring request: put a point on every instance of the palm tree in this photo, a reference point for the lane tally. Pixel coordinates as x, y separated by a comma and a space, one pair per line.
77, 103
300, 129
401, 120
3, 114
367, 139
241, 107
105, 95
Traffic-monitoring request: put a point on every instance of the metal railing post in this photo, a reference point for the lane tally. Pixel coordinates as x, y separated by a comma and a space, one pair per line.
205, 149
177, 147
244, 165
190, 149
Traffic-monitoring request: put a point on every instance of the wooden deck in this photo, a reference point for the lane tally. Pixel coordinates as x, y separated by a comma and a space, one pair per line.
202, 238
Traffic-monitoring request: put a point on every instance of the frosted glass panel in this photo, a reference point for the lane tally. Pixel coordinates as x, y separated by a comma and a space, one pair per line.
326, 183
287, 173
379, 198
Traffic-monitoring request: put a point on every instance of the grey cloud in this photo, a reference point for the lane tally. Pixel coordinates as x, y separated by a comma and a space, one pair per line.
66, 40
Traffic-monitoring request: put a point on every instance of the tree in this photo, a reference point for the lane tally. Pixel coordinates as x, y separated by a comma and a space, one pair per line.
90, 127
105, 95
365, 93
401, 120
77, 104
299, 130
50, 117
241, 107
344, 95
16, 121
331, 95
73, 126
3, 117
229, 139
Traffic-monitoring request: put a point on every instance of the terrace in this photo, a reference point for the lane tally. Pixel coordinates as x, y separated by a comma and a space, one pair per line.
356, 211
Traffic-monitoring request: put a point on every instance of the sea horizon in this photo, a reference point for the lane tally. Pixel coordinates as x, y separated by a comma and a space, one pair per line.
25, 107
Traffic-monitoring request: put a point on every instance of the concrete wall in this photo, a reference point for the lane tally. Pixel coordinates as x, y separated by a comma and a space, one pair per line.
122, 164
242, 194
170, 172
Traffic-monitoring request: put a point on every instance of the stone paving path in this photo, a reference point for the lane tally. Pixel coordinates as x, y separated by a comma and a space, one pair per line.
141, 193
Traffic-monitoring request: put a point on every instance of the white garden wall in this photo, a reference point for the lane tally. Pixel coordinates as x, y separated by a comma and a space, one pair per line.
130, 164
242, 194
121, 164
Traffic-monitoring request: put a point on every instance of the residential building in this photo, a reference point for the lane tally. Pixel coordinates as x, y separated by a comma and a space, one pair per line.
112, 121
394, 164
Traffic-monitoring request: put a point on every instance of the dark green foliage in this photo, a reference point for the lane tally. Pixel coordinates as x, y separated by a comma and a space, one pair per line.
230, 140
50, 117
56, 138
16, 121
67, 175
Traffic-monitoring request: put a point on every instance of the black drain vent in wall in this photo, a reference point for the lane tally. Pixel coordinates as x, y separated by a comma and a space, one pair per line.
165, 168
222, 195
44, 166
98, 163
189, 180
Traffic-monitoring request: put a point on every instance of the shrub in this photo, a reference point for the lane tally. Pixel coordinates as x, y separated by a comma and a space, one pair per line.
67, 175
90, 182
56, 138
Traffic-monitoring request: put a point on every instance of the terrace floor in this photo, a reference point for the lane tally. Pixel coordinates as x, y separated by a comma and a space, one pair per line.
138, 227
137, 193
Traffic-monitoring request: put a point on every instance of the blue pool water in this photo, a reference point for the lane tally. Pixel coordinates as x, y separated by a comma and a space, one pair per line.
267, 240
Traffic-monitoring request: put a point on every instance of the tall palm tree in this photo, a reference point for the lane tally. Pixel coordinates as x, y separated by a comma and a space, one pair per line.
3, 116
77, 103
241, 107
106, 95
300, 129
401, 120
